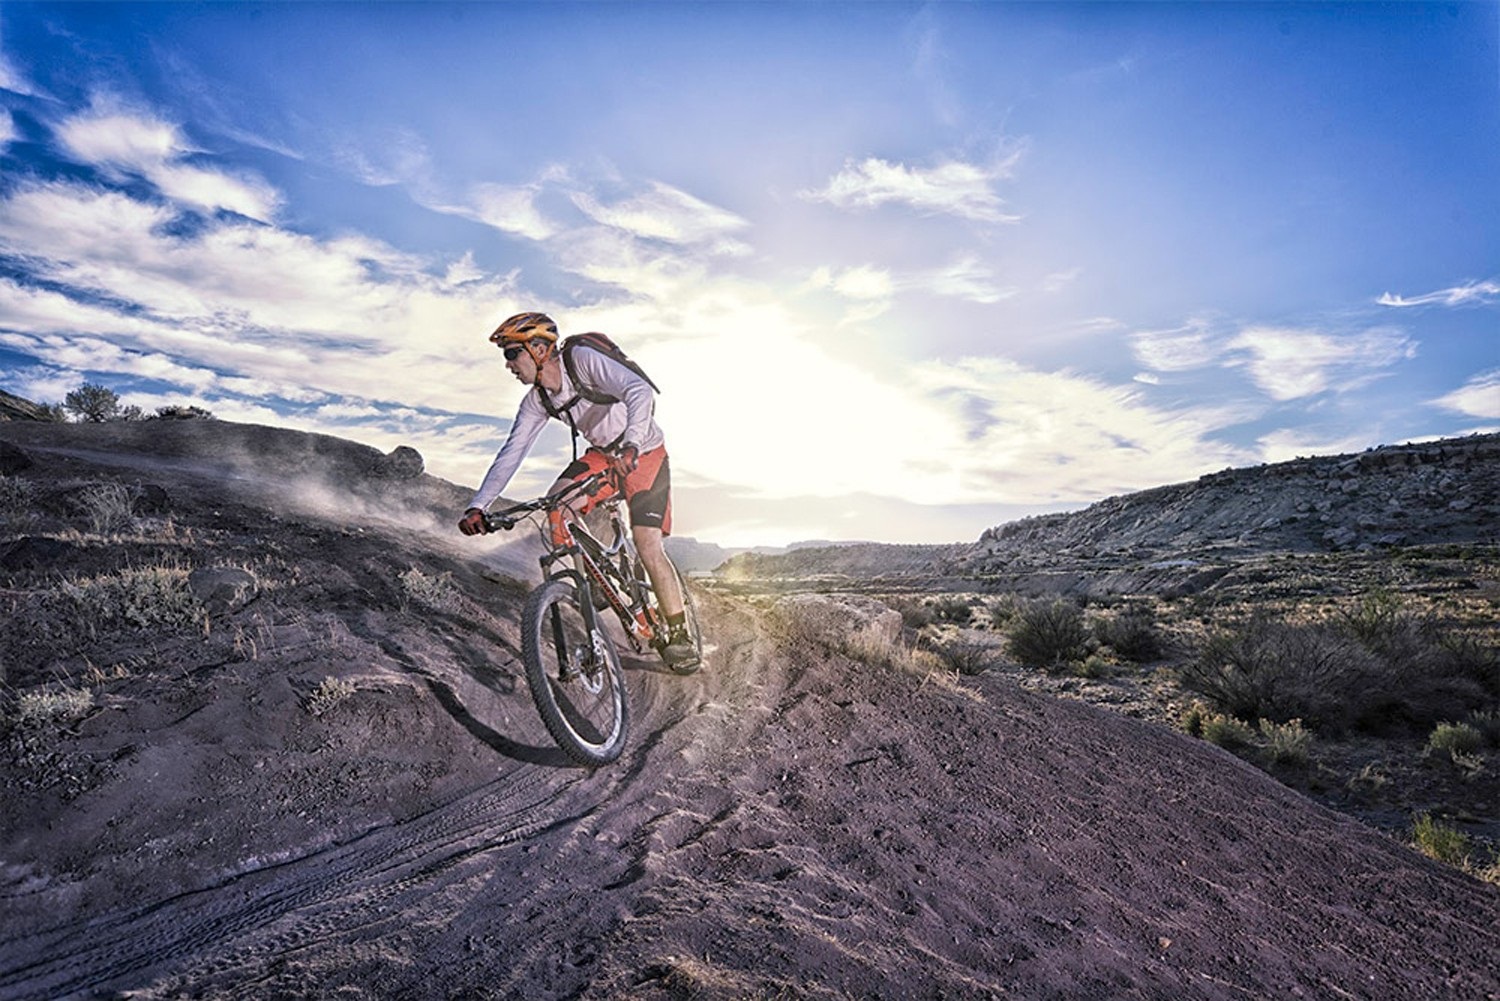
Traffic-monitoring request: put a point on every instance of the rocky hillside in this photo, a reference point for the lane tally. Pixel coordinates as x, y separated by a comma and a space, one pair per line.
1389, 498
13, 408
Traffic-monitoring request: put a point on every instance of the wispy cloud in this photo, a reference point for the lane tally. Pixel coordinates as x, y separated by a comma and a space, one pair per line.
1036, 436
1178, 350
953, 188
510, 209
1479, 397
965, 278
123, 142
1471, 293
1287, 444
7, 129
1289, 364
666, 213
865, 282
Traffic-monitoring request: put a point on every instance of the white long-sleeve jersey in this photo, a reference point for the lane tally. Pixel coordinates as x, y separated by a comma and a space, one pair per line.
631, 419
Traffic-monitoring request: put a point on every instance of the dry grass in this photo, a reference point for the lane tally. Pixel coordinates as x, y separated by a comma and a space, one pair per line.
51, 707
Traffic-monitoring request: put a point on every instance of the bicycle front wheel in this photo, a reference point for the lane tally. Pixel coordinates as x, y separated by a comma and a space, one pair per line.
574, 675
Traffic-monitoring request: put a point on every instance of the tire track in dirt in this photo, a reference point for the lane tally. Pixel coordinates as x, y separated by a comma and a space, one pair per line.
227, 937
292, 904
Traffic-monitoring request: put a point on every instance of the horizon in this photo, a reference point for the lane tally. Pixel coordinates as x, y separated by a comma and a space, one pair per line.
904, 272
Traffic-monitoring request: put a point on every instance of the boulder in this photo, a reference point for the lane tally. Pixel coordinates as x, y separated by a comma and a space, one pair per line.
223, 589
402, 463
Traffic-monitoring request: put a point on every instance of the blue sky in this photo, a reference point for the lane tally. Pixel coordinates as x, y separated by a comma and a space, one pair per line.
903, 271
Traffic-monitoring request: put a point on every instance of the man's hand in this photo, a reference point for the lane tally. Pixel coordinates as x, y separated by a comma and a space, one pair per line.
473, 522
624, 460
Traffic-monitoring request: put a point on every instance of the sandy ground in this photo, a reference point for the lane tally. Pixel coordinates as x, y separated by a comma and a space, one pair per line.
787, 823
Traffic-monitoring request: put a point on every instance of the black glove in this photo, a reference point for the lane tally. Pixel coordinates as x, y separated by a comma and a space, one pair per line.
473, 522
624, 460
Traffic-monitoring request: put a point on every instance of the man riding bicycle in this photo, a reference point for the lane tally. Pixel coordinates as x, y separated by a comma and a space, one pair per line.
613, 410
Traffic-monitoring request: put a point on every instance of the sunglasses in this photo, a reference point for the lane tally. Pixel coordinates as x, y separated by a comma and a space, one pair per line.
513, 352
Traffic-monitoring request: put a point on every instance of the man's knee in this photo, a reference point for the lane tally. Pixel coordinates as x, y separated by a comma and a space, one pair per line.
647, 540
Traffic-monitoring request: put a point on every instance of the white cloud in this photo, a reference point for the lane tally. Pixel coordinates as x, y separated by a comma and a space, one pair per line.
248, 276
668, 214
1019, 435
1178, 350
966, 278
156, 150
1288, 444
7, 129
1290, 364
952, 188
1479, 397
865, 282
12, 80
510, 209
120, 139
1477, 293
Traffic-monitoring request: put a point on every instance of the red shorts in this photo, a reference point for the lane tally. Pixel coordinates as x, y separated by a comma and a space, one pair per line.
648, 489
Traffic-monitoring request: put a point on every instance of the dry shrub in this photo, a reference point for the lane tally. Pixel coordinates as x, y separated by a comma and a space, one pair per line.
1455, 739
1320, 673
17, 496
1440, 841
109, 507
966, 655
1049, 634
44, 708
1287, 743
329, 693
954, 610
436, 592
132, 599
1133, 634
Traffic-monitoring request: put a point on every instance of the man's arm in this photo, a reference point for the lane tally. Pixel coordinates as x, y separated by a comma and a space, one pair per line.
530, 419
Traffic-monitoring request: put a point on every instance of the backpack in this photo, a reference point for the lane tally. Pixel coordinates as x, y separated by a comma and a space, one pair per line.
602, 344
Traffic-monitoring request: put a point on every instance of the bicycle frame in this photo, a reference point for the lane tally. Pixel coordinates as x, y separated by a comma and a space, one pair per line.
594, 570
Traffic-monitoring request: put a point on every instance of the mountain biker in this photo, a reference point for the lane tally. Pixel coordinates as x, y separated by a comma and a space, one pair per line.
623, 437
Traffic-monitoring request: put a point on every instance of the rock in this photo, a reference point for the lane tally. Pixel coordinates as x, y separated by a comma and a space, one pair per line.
403, 463
838, 618
223, 589
13, 459
1340, 538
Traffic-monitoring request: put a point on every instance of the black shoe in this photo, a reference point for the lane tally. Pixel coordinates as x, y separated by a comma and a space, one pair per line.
680, 653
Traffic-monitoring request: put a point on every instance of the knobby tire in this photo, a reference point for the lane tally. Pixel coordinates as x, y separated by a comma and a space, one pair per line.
588, 716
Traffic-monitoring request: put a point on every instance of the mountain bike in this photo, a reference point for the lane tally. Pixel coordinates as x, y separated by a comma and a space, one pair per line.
572, 663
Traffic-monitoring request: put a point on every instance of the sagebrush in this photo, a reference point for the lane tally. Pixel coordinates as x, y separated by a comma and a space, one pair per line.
1049, 634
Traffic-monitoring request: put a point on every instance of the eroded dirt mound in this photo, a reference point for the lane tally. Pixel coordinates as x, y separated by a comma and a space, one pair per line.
338, 788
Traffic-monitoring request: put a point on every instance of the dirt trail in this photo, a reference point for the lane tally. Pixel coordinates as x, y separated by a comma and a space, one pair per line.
787, 823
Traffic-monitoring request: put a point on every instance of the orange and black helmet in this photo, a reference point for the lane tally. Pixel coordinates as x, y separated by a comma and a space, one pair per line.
525, 327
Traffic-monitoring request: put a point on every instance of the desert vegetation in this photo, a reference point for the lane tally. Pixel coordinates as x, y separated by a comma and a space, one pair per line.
1384, 703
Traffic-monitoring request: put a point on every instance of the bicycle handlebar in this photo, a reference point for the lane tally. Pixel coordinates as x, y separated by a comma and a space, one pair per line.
510, 517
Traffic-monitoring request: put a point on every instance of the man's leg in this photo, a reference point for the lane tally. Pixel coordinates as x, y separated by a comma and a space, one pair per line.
648, 542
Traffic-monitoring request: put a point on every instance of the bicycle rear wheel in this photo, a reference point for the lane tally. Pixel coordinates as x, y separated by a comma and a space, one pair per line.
574, 676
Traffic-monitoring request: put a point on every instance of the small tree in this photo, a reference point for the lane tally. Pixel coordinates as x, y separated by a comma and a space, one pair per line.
92, 403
